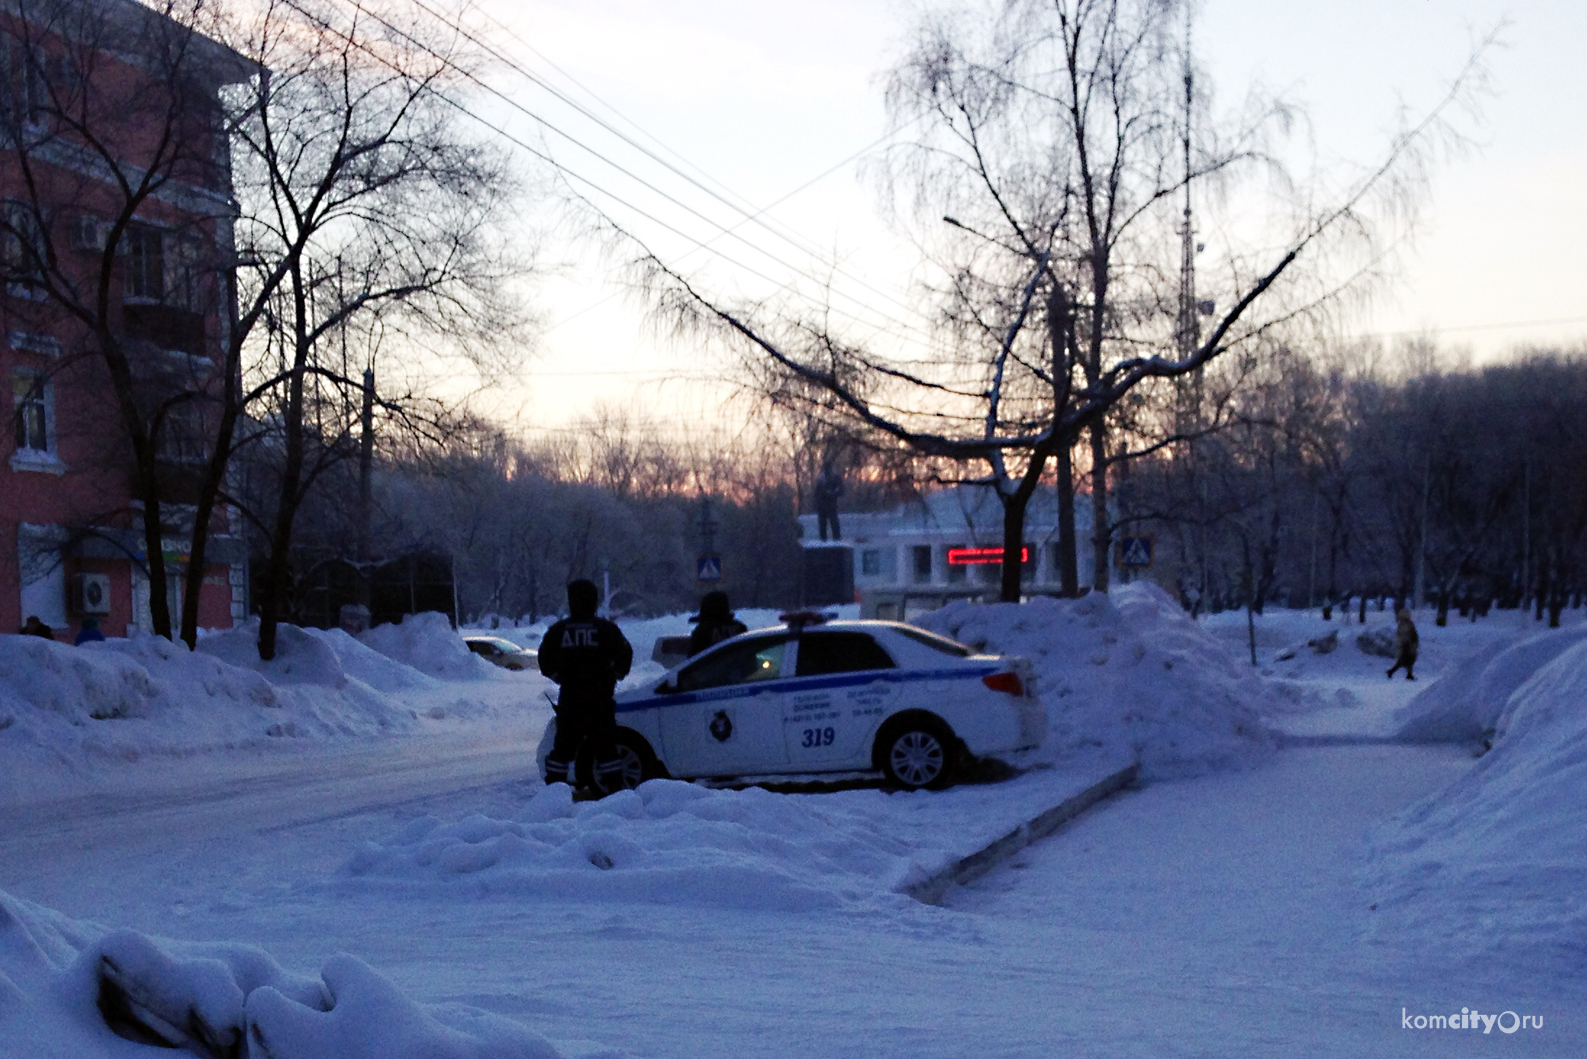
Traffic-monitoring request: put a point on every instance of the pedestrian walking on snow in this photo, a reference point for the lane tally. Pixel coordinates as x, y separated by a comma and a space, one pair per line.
586, 656
1405, 644
714, 623
89, 633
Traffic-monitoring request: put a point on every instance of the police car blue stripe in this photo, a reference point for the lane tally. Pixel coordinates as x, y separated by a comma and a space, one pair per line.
797, 684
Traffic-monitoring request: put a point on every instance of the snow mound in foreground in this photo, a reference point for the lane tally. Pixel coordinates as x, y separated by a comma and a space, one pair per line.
666, 842
675, 843
63, 983
428, 643
1128, 671
1499, 858
1465, 703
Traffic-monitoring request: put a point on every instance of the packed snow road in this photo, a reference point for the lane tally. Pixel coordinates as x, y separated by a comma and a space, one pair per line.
206, 817
1211, 916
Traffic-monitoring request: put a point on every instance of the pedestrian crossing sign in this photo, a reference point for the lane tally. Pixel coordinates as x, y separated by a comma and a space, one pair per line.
708, 568
1135, 552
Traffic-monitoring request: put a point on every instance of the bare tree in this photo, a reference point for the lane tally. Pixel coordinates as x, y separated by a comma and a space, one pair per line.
370, 221
1054, 145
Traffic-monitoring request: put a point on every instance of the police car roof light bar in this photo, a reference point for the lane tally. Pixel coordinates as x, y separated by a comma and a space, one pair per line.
798, 619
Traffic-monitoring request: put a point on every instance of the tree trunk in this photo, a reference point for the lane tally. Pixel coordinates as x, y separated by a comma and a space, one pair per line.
154, 543
1068, 564
1101, 535
291, 478
1012, 586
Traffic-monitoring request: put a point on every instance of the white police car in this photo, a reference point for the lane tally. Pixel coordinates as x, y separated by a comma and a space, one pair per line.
817, 696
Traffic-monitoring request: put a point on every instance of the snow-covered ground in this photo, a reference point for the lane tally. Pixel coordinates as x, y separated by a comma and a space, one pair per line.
1250, 900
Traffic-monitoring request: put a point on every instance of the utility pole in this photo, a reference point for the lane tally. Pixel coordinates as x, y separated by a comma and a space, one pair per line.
1419, 595
366, 462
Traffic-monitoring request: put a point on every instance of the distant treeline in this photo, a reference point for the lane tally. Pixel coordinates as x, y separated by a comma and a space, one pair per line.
1332, 477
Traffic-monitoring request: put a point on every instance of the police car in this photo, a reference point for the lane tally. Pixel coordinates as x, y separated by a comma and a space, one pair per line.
817, 696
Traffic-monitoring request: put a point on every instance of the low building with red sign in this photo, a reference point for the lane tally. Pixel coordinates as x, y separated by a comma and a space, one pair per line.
949, 545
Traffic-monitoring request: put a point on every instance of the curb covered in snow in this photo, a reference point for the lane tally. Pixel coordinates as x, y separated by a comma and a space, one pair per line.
934, 888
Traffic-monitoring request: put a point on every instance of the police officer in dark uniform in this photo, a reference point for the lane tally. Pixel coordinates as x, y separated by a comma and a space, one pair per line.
714, 623
586, 656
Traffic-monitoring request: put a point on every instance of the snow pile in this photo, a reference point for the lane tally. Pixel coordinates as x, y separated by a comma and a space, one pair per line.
1464, 704
68, 712
364, 663
667, 842
1499, 858
428, 643
76, 991
1130, 672
675, 843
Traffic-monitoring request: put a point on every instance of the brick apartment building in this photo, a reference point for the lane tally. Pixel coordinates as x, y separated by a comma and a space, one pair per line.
71, 537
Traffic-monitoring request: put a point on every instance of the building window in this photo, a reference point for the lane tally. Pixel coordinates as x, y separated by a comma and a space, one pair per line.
27, 91
145, 264
21, 248
182, 434
922, 555
32, 407
871, 562
956, 574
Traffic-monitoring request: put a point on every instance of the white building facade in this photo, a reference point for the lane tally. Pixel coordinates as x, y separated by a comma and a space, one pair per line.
947, 545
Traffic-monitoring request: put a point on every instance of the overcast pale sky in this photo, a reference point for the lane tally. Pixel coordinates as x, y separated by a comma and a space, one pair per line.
763, 98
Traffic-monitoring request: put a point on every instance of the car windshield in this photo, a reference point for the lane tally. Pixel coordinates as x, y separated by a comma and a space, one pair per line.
935, 642
738, 663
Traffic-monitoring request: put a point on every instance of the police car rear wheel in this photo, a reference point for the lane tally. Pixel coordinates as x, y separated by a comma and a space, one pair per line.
919, 755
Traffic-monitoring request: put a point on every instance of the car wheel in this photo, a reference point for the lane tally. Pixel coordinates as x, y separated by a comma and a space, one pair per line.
633, 763
918, 753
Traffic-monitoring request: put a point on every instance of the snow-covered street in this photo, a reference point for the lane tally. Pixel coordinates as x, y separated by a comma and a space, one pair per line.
1225, 912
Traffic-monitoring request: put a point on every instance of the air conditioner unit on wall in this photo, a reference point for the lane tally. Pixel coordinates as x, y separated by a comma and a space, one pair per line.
91, 594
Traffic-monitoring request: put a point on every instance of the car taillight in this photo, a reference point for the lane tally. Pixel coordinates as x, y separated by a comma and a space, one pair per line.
1007, 683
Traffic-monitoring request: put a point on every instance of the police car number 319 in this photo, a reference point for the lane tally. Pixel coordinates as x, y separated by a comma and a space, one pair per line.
815, 696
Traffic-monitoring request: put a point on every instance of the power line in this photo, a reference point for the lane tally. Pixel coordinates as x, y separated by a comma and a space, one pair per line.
1439, 329
723, 229
770, 206
749, 217
568, 171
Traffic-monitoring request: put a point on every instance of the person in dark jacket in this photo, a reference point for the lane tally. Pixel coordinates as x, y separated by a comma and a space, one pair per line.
586, 656
1405, 644
714, 623
829, 487
34, 627
89, 633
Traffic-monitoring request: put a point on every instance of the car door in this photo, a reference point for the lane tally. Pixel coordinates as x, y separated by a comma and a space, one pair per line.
726, 719
842, 688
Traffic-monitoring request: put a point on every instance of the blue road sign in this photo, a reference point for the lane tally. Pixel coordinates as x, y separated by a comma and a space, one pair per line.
1135, 553
708, 568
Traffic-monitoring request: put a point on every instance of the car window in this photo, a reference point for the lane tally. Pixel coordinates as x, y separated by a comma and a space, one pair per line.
935, 642
740, 663
840, 652
481, 647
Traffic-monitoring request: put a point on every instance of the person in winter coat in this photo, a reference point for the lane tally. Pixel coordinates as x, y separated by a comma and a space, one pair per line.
1405, 644
586, 656
714, 623
829, 487
89, 633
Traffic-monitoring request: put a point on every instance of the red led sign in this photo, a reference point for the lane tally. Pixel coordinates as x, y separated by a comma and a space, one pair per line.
982, 556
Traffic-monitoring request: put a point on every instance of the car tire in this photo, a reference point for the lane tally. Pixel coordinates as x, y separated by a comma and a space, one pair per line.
918, 752
639, 761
